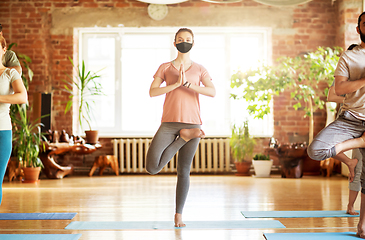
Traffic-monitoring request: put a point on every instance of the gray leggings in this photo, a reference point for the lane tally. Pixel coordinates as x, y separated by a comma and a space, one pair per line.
164, 146
345, 127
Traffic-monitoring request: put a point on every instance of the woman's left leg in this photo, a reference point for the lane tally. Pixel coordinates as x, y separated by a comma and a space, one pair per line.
5, 151
185, 158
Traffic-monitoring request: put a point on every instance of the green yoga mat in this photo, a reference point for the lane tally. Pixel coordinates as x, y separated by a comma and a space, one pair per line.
40, 236
311, 236
295, 214
37, 216
170, 225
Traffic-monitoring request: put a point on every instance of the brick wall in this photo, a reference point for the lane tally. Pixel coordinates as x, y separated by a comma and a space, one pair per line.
47, 38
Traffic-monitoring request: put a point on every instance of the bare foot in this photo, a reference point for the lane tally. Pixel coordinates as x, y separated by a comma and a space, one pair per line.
351, 210
178, 220
188, 134
351, 164
360, 230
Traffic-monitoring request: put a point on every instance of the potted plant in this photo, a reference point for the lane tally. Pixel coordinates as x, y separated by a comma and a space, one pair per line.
242, 145
27, 143
85, 87
262, 165
307, 77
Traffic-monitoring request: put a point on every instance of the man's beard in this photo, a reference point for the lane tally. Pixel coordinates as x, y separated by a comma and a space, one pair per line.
362, 36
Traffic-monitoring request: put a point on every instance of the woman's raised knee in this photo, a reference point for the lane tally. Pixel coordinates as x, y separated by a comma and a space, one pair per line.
316, 154
152, 170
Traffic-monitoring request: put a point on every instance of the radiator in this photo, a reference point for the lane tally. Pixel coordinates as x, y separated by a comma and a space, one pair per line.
212, 156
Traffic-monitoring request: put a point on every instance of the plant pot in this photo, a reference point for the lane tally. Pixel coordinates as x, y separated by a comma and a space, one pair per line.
262, 167
31, 174
243, 168
92, 136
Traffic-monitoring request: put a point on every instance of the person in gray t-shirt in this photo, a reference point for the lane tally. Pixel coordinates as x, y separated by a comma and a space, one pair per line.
355, 185
10, 59
347, 132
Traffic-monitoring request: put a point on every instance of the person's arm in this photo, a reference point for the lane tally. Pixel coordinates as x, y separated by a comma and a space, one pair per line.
157, 90
20, 95
343, 86
207, 90
333, 97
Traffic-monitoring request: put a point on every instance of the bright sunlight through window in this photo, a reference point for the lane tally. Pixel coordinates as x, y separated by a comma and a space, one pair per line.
127, 59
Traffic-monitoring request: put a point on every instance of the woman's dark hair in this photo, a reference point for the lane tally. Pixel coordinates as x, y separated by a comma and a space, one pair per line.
184, 30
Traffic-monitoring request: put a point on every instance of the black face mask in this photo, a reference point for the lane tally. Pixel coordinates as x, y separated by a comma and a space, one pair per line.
184, 47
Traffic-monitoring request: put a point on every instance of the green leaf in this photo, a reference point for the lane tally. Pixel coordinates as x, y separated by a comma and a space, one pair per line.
300, 75
86, 86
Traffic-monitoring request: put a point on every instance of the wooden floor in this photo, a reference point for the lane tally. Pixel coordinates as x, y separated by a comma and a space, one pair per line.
151, 198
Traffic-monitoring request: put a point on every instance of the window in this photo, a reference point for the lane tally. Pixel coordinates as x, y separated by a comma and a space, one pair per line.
129, 57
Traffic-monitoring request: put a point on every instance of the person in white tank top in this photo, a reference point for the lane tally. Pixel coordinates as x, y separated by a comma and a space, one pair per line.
12, 91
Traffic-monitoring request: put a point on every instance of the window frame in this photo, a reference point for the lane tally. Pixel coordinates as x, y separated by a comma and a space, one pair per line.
118, 32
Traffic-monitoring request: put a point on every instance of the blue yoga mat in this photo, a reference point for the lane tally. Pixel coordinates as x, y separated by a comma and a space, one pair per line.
170, 225
40, 236
37, 216
311, 236
295, 214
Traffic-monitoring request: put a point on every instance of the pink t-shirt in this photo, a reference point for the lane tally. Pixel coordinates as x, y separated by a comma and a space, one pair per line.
182, 104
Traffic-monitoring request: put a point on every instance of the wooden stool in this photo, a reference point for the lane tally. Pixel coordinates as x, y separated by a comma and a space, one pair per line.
104, 161
15, 171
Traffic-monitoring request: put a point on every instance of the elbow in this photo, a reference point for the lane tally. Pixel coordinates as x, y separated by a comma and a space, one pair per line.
24, 98
339, 91
213, 93
152, 92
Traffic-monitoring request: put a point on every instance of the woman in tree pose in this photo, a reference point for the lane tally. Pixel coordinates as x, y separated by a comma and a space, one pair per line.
180, 128
12, 91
